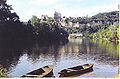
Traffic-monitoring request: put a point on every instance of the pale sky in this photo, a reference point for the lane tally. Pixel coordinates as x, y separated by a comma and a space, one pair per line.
74, 8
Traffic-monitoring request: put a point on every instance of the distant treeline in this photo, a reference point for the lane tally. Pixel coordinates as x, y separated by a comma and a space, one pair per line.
106, 23
106, 18
11, 28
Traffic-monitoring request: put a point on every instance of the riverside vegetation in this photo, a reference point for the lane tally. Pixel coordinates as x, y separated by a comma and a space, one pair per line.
48, 29
3, 72
103, 25
100, 26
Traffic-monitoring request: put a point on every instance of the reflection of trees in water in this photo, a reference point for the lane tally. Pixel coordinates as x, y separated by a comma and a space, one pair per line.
10, 51
98, 50
45, 50
93, 47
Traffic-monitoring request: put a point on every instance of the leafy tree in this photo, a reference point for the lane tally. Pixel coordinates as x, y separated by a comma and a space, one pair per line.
48, 30
10, 25
34, 20
111, 33
5, 12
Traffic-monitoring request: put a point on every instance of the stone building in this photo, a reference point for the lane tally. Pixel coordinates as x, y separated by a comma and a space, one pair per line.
57, 16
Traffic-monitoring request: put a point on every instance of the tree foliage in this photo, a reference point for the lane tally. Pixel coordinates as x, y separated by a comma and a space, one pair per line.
3, 72
48, 30
111, 33
5, 12
10, 25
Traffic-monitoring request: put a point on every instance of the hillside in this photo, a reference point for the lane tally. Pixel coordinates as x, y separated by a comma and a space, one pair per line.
98, 21
88, 26
107, 17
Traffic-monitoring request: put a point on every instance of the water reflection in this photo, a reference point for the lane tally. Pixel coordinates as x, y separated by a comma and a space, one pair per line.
11, 51
22, 57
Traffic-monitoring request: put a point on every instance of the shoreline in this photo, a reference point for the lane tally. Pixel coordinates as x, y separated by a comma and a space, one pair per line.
94, 38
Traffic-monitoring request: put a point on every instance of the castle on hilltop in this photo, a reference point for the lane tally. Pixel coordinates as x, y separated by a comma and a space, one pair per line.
66, 21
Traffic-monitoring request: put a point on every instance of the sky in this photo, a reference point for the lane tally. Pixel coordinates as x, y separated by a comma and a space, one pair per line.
74, 8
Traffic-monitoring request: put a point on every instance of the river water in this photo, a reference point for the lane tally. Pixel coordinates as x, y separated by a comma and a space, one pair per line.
20, 59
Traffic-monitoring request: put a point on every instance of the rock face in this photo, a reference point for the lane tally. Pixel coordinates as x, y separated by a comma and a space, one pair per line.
57, 16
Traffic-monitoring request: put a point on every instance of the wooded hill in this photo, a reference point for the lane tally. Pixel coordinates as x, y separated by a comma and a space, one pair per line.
95, 24
107, 17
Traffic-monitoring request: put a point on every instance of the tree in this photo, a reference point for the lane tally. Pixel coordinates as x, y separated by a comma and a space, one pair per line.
48, 30
10, 25
5, 12
34, 20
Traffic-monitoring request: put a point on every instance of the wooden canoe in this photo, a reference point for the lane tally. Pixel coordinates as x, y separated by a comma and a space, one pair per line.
76, 70
46, 71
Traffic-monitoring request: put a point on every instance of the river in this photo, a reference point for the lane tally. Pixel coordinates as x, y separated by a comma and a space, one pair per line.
20, 59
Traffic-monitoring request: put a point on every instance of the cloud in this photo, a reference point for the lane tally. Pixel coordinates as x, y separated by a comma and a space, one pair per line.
43, 2
75, 0
81, 11
103, 8
66, 8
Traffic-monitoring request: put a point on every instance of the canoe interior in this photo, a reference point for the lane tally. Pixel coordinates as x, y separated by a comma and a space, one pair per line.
38, 71
81, 67
76, 70
73, 76
46, 71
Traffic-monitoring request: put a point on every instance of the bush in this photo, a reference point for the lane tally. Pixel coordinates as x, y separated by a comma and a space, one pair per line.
3, 72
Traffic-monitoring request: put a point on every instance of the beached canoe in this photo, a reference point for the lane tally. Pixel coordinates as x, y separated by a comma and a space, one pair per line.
46, 71
76, 70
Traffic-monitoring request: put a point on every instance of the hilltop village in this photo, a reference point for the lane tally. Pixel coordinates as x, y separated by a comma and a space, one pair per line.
76, 21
